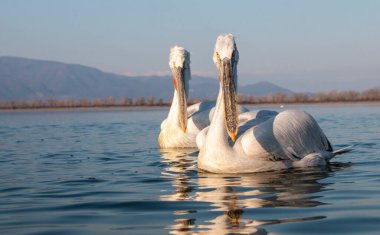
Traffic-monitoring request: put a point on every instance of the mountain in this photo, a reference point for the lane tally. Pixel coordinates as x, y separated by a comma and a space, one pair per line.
25, 79
262, 89
31, 79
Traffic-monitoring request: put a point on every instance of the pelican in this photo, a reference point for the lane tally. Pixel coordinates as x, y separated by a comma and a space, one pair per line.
180, 128
267, 140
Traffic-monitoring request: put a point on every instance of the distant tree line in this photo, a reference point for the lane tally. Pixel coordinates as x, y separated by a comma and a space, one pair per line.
83, 103
320, 97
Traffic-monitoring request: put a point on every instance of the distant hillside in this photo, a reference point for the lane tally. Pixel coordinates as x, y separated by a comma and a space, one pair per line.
31, 79
263, 89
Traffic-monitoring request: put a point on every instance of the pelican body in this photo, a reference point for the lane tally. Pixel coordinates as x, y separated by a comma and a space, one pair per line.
180, 128
183, 123
264, 140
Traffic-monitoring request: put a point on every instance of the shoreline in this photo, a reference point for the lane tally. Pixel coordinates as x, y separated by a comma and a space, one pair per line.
150, 107
142, 107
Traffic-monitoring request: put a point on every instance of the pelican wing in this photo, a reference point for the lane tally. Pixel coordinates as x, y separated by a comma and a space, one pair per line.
290, 135
253, 134
199, 114
253, 118
200, 107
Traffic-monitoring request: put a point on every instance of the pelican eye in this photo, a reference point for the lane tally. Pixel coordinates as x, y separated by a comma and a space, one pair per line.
218, 56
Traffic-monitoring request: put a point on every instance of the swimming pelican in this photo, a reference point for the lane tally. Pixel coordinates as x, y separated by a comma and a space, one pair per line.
180, 128
183, 123
267, 140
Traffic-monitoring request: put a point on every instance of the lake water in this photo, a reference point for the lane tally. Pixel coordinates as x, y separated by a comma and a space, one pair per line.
101, 172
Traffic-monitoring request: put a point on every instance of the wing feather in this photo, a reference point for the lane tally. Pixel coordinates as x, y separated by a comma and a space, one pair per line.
290, 135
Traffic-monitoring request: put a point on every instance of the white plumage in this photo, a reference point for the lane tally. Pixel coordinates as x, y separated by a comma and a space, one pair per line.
265, 140
179, 57
171, 134
175, 131
182, 125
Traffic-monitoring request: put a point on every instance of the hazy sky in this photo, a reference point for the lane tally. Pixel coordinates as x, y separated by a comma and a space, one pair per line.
301, 45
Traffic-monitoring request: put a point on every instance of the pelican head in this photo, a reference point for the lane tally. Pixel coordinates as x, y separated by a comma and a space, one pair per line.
179, 62
226, 57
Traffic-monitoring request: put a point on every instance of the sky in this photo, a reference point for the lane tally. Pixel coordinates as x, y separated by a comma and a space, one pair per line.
301, 45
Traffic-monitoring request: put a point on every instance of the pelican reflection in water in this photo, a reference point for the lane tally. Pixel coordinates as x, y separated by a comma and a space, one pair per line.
181, 163
235, 196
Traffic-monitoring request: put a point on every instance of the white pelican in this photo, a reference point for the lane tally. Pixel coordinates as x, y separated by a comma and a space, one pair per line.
180, 128
267, 140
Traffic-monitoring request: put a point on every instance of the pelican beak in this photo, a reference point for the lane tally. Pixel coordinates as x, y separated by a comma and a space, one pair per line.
180, 86
229, 98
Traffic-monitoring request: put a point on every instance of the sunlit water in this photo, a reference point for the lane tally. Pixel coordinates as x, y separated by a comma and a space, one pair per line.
100, 172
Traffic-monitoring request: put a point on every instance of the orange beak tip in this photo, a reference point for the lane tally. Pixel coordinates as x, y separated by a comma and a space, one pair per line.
233, 137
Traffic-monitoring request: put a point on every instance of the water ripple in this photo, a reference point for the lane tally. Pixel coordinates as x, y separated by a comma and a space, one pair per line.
101, 172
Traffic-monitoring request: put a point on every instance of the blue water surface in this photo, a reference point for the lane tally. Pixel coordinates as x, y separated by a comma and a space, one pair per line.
101, 172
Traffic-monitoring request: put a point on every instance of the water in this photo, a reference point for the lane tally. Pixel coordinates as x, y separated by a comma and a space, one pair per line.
100, 172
